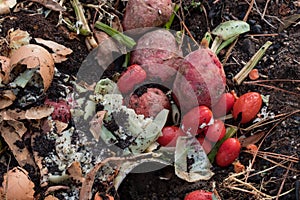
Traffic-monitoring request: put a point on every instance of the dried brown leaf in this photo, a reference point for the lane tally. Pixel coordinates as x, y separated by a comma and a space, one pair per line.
16, 144
4, 69
251, 139
287, 21
7, 98
75, 172
96, 124
18, 126
51, 4
55, 47
14, 114
39, 112
17, 184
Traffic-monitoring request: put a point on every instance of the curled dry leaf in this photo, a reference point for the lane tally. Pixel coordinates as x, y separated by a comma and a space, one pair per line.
7, 98
4, 69
33, 56
75, 172
60, 51
16, 144
39, 112
5, 6
96, 124
245, 141
17, 184
17, 39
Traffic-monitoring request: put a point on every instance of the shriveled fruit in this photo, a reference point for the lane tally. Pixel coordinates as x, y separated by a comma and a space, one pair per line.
216, 131
228, 152
206, 145
197, 118
247, 107
169, 136
224, 105
202, 82
199, 195
61, 110
133, 76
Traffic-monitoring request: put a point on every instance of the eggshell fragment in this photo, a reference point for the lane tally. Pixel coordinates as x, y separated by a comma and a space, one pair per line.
39, 112
4, 69
34, 56
7, 98
17, 185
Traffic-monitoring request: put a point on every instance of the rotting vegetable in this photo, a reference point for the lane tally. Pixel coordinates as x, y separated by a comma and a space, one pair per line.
170, 135
247, 106
199, 195
216, 131
149, 13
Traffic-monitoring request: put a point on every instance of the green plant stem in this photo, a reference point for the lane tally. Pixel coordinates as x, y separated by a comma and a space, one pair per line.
251, 63
120, 37
169, 23
216, 43
225, 44
230, 132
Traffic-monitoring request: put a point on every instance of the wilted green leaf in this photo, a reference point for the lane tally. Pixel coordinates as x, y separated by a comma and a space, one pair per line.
230, 29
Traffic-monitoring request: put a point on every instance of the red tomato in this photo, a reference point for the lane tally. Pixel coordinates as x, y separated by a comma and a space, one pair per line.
193, 120
224, 105
169, 136
205, 144
216, 131
248, 105
199, 195
228, 152
133, 76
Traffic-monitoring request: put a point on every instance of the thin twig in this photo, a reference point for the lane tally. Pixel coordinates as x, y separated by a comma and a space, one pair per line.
283, 181
272, 87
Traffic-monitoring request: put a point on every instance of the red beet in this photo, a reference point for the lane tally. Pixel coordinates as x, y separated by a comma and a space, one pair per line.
228, 152
150, 103
201, 82
61, 110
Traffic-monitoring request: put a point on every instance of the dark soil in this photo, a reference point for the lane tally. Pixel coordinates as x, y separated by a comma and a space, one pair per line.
281, 62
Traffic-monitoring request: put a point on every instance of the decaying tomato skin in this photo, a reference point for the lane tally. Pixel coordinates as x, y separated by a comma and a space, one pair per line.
216, 131
61, 110
224, 105
169, 136
228, 152
199, 195
248, 105
192, 121
133, 76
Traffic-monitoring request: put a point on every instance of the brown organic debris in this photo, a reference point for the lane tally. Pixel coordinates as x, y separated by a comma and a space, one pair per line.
75, 172
39, 112
17, 185
7, 98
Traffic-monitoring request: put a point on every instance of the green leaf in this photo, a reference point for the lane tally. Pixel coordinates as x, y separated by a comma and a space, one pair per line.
230, 29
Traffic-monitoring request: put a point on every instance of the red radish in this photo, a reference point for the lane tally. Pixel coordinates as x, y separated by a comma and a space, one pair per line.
228, 152
61, 110
247, 106
169, 136
133, 76
199, 195
195, 118
216, 131
224, 105
205, 144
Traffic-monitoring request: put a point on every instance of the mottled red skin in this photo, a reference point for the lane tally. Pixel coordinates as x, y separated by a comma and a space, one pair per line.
150, 103
249, 105
200, 82
146, 13
133, 76
199, 195
61, 110
159, 55
216, 131
224, 105
169, 136
192, 120
228, 152
206, 145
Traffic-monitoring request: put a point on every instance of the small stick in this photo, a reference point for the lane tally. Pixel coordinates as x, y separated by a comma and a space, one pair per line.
283, 181
273, 87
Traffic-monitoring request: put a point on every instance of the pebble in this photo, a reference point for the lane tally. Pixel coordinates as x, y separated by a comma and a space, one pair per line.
256, 29
248, 46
